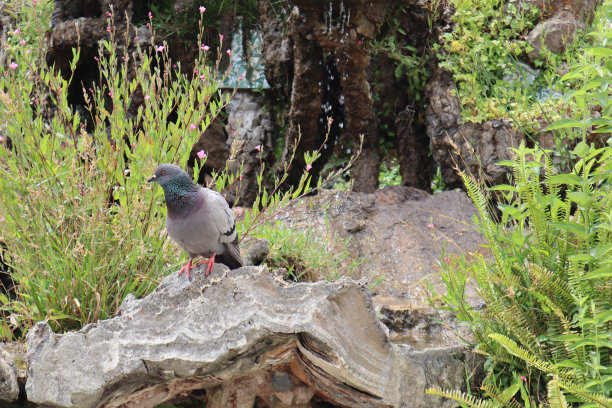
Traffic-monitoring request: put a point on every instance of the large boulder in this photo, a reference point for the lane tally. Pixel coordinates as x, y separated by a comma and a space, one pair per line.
399, 233
234, 338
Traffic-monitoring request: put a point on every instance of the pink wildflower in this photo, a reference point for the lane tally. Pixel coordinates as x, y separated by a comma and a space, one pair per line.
13, 65
202, 9
201, 154
96, 58
110, 94
147, 97
150, 15
202, 77
192, 127
229, 52
523, 378
258, 148
331, 121
174, 66
205, 47
221, 36
308, 167
108, 13
1, 138
430, 225
17, 31
447, 259
2, 219
22, 42
35, 1
160, 48
241, 177
239, 211
27, 51
108, 29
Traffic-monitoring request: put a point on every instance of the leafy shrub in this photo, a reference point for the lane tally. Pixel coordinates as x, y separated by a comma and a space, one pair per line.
81, 225
483, 53
547, 324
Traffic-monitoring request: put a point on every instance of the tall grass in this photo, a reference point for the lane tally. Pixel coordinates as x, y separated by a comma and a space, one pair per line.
81, 226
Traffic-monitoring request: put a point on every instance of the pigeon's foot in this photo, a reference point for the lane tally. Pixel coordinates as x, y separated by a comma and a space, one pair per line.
187, 268
211, 263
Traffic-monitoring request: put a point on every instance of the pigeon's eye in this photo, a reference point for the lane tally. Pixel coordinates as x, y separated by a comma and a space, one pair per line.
163, 173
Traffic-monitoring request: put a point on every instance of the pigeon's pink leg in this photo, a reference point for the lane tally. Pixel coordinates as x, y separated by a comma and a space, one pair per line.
187, 268
210, 262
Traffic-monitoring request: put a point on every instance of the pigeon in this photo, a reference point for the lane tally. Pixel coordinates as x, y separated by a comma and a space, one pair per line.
198, 219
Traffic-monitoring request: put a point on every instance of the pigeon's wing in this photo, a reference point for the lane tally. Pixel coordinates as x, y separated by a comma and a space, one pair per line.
223, 218
221, 215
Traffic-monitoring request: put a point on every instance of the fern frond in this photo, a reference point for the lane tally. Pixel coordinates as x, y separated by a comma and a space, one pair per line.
514, 322
532, 360
556, 399
487, 225
551, 285
503, 398
585, 395
462, 398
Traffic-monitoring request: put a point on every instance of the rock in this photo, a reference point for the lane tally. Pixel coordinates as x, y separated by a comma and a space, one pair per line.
418, 326
389, 229
240, 336
248, 126
254, 250
9, 387
554, 33
472, 147
214, 144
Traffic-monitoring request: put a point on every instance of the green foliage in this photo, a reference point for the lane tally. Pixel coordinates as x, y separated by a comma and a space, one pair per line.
82, 227
593, 76
184, 24
304, 254
483, 53
547, 284
389, 174
437, 184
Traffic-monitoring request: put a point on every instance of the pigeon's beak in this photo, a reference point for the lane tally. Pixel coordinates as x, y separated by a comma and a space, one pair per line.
152, 179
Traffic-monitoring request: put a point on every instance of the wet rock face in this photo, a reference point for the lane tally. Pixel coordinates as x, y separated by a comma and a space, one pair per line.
248, 126
239, 339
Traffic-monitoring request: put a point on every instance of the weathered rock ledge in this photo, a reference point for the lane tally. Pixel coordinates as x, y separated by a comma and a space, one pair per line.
236, 339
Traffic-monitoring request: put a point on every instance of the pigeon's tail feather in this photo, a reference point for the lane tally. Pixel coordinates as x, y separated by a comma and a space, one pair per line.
231, 258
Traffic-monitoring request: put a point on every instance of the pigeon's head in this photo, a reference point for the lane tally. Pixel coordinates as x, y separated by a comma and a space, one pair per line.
170, 175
